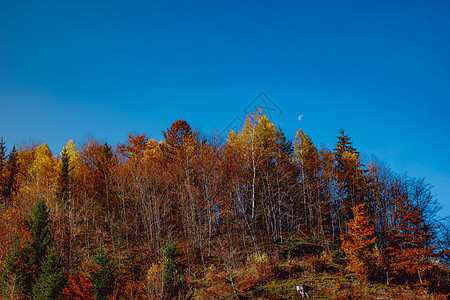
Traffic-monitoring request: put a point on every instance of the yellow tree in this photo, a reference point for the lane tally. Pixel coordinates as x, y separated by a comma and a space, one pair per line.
68, 216
262, 186
43, 170
254, 143
306, 157
359, 242
74, 155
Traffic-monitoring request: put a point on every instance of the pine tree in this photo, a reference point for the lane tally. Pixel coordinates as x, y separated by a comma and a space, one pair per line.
349, 175
18, 268
2, 168
102, 274
172, 279
2, 155
40, 232
12, 167
50, 283
36, 267
63, 188
49, 275
2, 152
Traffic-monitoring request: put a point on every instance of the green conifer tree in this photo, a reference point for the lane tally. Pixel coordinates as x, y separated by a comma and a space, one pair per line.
2, 169
49, 278
18, 269
40, 232
102, 274
172, 278
49, 285
2, 155
12, 167
349, 172
35, 266
63, 188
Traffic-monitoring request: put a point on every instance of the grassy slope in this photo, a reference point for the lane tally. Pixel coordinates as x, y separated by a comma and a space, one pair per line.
275, 276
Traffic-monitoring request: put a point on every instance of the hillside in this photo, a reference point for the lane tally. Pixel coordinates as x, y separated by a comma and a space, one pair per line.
249, 217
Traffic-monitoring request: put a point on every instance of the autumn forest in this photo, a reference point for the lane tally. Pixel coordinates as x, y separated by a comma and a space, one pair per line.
192, 216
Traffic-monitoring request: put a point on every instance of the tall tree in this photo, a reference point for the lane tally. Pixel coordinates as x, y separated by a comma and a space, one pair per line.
2, 154
40, 234
39, 258
307, 158
411, 246
18, 269
102, 274
359, 242
135, 147
43, 168
12, 167
49, 279
2, 168
50, 282
351, 184
172, 276
63, 188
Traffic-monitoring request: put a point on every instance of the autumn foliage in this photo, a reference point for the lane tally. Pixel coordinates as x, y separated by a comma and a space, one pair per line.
358, 243
243, 216
79, 287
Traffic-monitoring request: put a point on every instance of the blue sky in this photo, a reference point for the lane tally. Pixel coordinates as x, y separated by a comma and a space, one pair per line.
378, 69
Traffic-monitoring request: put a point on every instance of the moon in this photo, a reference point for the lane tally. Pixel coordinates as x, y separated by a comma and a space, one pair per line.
300, 117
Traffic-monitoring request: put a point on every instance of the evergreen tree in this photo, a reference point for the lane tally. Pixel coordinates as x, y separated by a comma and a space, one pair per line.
40, 232
102, 274
2, 168
350, 177
344, 145
2, 155
63, 188
49, 275
36, 267
49, 285
18, 268
12, 167
172, 278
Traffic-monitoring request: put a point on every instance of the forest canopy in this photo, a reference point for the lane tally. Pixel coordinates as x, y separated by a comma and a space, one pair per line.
193, 216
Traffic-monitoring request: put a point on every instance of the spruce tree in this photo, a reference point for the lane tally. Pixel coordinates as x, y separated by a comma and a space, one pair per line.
349, 173
49, 285
63, 188
2, 168
49, 274
40, 232
102, 274
18, 268
35, 266
12, 167
2, 155
172, 279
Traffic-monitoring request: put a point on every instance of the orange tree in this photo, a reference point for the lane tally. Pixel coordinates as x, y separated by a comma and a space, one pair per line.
359, 241
412, 248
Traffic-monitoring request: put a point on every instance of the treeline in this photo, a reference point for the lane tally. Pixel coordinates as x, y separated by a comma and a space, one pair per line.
142, 218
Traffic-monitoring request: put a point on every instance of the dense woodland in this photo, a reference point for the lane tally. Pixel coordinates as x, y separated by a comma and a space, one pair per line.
199, 217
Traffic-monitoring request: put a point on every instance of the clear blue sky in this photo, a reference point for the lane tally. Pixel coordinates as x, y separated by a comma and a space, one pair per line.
378, 69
